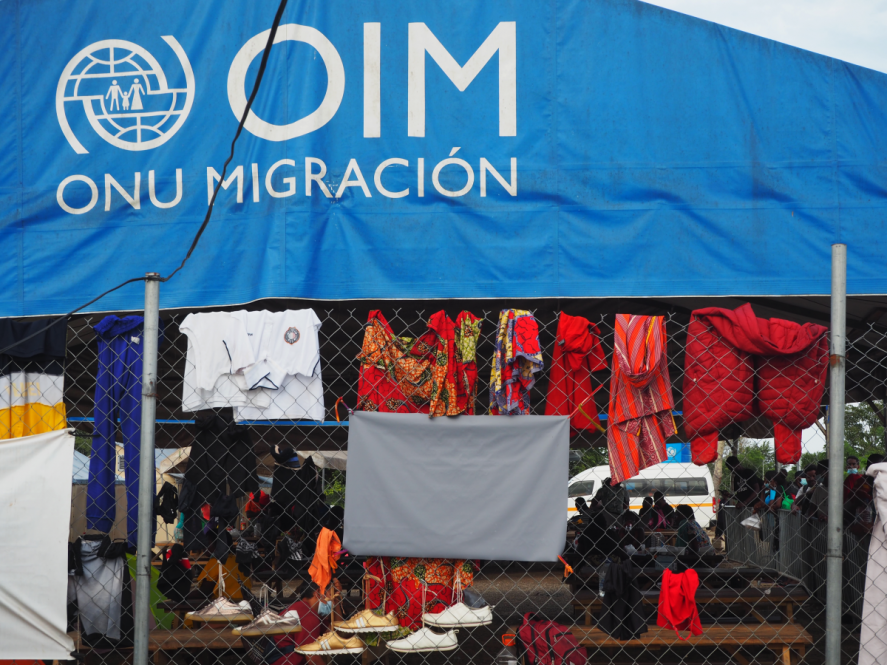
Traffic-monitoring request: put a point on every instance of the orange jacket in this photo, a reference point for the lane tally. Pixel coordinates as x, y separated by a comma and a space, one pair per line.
325, 556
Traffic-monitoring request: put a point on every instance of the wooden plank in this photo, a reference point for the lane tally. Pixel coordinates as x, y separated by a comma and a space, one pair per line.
200, 638
749, 595
735, 653
739, 634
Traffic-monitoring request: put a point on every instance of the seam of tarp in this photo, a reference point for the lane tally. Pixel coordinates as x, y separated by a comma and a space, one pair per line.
440, 298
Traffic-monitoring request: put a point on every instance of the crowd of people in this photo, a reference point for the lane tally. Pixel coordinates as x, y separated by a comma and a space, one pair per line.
606, 528
806, 492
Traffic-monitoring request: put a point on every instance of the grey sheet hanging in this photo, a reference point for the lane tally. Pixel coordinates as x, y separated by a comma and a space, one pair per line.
474, 487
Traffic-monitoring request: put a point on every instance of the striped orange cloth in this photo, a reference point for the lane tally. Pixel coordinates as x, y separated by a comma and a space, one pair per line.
639, 418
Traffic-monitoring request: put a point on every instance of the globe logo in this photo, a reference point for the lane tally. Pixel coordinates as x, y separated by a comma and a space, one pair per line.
125, 95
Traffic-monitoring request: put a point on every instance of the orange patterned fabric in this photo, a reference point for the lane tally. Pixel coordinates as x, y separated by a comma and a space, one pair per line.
432, 571
395, 372
410, 587
435, 373
639, 419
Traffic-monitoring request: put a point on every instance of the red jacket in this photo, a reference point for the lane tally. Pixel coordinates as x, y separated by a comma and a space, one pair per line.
677, 602
739, 366
577, 353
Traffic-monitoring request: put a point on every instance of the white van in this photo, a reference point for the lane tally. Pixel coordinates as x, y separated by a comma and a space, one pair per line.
680, 483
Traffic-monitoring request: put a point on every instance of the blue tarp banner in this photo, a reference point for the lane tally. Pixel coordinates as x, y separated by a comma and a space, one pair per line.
426, 149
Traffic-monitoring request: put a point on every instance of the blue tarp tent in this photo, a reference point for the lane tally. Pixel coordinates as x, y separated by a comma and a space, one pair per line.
578, 148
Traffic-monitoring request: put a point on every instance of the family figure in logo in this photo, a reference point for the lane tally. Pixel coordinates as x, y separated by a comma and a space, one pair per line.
115, 92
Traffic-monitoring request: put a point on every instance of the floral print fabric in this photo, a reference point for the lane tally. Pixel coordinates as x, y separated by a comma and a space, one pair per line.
410, 587
518, 357
429, 374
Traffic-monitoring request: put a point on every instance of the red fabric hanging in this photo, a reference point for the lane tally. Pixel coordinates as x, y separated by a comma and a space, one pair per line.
577, 353
639, 419
677, 602
739, 366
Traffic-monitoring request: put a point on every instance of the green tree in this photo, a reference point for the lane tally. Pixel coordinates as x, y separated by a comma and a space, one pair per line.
863, 433
590, 457
334, 490
83, 444
863, 430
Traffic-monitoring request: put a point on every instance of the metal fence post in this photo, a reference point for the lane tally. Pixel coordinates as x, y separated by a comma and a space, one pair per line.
834, 572
147, 480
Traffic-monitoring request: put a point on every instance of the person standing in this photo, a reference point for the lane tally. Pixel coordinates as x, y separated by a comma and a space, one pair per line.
614, 499
746, 485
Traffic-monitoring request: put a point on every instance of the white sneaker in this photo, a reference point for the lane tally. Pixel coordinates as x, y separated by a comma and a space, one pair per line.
221, 608
425, 639
460, 615
270, 621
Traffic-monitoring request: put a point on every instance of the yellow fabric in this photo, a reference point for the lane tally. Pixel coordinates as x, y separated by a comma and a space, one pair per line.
234, 579
29, 419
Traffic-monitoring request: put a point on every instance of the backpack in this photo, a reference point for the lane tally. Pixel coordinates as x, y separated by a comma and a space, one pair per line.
264, 650
549, 643
166, 503
175, 579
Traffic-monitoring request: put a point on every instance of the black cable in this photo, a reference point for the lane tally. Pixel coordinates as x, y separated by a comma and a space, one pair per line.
259, 75
243, 118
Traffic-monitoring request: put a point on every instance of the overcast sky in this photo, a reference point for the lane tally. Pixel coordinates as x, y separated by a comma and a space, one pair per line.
851, 30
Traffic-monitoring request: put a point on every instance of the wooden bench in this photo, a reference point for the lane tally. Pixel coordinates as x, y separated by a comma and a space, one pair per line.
781, 639
163, 643
784, 598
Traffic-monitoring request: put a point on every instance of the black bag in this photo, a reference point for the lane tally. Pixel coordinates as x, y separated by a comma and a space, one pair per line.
175, 580
166, 503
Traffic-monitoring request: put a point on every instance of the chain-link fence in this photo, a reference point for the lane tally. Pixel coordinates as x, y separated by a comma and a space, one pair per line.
252, 471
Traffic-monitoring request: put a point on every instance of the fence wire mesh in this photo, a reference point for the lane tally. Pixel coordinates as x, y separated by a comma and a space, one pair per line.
246, 481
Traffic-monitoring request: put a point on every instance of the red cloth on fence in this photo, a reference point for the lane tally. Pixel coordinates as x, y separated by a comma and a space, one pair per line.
392, 378
577, 353
639, 419
677, 602
739, 366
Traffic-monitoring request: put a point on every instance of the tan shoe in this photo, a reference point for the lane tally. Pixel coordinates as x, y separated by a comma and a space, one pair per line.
332, 644
368, 621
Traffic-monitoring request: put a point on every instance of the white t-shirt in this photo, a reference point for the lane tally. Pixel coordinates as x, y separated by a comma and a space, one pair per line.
218, 345
287, 368
283, 343
299, 398
229, 390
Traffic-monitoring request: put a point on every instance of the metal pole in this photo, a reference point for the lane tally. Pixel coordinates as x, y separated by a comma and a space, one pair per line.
147, 480
834, 559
